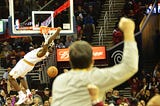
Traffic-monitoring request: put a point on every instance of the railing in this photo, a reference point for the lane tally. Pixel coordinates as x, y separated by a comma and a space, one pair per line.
106, 21
2, 70
106, 18
101, 36
103, 28
111, 4
142, 28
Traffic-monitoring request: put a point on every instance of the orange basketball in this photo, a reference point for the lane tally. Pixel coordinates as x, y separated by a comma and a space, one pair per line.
52, 71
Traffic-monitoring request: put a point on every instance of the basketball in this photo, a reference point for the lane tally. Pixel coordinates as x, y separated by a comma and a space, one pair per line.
52, 71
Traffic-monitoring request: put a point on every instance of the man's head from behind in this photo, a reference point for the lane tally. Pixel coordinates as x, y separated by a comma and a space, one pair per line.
80, 54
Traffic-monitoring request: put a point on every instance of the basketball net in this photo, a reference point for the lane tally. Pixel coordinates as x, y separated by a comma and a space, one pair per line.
47, 30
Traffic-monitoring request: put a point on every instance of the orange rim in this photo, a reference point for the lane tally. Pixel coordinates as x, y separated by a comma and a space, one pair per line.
45, 29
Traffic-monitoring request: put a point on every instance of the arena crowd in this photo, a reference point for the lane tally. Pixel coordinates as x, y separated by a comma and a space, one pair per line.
143, 85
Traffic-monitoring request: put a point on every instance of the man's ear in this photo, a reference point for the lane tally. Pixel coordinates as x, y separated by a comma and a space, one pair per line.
91, 65
92, 62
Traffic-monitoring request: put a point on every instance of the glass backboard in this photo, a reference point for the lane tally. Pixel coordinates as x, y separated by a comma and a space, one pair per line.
26, 16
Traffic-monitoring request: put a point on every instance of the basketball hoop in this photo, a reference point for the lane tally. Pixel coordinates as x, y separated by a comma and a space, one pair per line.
47, 30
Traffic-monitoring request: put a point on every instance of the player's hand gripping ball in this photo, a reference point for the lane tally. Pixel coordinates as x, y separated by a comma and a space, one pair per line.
52, 71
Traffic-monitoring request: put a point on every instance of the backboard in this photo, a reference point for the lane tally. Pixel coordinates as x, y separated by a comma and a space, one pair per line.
26, 16
2, 26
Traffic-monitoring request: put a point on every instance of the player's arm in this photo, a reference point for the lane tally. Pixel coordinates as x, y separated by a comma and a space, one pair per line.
47, 42
55, 35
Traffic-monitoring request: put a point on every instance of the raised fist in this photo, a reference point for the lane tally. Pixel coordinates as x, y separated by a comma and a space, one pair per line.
93, 91
126, 25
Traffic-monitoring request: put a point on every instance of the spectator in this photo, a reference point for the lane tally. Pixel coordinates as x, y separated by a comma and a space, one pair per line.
153, 83
46, 103
133, 99
88, 27
109, 98
156, 91
80, 35
128, 6
80, 12
141, 94
79, 21
50, 99
6, 44
70, 88
3, 85
5, 74
31, 48
69, 41
37, 102
144, 83
35, 95
147, 96
141, 103
115, 95
8, 102
26, 43
122, 99
156, 68
59, 44
4, 54
2, 97
13, 97
13, 63
134, 84
20, 52
142, 75
46, 94
79, 24
158, 75
12, 55
117, 34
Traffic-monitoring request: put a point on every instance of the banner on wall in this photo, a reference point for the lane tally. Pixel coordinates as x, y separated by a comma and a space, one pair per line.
98, 53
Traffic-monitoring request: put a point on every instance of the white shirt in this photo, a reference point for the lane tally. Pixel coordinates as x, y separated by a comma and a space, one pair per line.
70, 89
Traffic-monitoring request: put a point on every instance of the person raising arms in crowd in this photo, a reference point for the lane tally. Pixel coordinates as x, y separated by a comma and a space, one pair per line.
27, 63
71, 88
